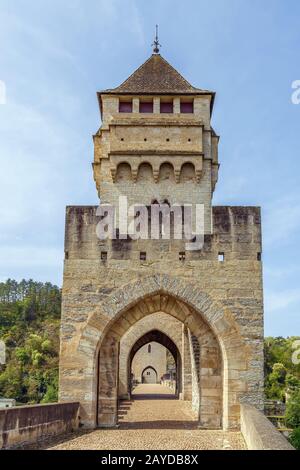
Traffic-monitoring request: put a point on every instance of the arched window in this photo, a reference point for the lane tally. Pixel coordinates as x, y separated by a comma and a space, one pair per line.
123, 172
166, 172
145, 172
187, 173
149, 348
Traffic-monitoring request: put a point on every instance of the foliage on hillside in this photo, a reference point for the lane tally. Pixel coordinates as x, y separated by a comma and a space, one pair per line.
282, 375
29, 326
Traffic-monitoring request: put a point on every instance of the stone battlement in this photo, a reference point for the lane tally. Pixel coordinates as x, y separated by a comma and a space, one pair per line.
236, 233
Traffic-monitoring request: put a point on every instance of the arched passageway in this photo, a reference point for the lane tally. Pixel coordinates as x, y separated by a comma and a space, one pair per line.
152, 337
149, 376
203, 359
160, 321
222, 363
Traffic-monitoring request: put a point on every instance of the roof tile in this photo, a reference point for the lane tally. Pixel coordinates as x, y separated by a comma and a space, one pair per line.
156, 75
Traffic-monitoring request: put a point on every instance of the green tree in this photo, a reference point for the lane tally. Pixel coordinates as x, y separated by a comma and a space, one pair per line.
294, 438
292, 382
283, 378
276, 382
11, 382
292, 414
29, 326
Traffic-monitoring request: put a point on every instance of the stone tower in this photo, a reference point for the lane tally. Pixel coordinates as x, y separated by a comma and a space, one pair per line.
156, 134
156, 145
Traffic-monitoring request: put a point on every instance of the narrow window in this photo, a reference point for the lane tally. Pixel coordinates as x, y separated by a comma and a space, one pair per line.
66, 255
182, 256
221, 257
146, 106
186, 107
259, 256
149, 348
166, 106
125, 106
143, 256
104, 255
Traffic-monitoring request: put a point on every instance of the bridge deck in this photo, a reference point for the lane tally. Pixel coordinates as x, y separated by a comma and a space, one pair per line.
153, 419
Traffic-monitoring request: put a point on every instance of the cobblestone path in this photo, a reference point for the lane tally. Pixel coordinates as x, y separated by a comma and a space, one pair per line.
153, 419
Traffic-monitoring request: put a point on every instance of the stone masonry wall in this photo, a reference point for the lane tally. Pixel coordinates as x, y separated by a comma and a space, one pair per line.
27, 424
236, 283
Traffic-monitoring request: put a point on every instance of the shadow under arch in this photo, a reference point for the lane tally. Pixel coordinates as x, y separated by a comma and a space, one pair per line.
159, 337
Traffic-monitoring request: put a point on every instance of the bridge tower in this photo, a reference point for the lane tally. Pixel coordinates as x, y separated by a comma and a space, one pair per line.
156, 144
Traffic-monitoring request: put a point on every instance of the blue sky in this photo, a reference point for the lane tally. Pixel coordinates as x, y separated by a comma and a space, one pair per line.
55, 56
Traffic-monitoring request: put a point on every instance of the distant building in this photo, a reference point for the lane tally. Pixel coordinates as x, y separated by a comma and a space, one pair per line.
7, 403
150, 363
2, 353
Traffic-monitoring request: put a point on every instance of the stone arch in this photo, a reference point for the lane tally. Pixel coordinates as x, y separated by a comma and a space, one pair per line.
209, 406
164, 339
187, 173
166, 172
165, 324
145, 172
123, 172
155, 336
154, 370
185, 301
217, 316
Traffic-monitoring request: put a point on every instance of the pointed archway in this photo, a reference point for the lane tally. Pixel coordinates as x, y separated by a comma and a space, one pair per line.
163, 322
209, 399
113, 316
156, 336
152, 372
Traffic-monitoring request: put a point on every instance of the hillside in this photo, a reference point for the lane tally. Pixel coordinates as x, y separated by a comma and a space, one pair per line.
29, 327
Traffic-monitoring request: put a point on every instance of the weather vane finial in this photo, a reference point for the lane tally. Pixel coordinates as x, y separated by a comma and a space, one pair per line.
156, 44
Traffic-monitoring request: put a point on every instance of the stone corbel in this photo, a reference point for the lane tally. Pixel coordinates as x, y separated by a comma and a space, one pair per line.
155, 170
134, 173
177, 171
198, 170
198, 174
113, 171
96, 167
97, 174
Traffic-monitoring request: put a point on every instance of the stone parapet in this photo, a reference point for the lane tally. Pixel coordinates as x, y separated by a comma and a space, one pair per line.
259, 433
28, 424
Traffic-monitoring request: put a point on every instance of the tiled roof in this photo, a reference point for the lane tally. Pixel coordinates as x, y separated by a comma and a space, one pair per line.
156, 75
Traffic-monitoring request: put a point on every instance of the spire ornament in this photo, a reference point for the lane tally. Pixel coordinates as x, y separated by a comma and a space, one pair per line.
156, 44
